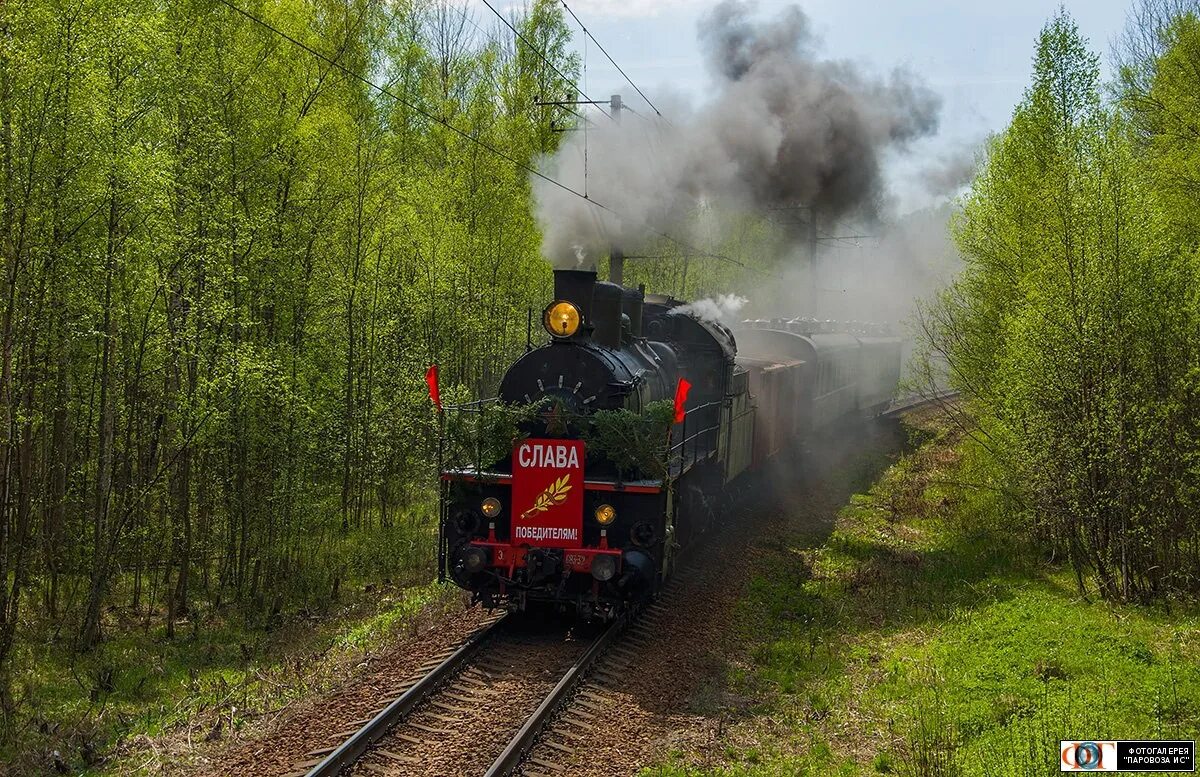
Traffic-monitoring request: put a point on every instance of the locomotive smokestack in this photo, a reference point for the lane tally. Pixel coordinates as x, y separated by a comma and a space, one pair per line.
616, 265
631, 305
577, 287
606, 310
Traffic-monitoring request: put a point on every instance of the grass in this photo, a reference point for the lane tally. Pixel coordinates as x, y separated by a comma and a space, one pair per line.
141, 702
925, 638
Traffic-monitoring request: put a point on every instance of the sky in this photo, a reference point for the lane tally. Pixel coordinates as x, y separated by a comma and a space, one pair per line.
976, 55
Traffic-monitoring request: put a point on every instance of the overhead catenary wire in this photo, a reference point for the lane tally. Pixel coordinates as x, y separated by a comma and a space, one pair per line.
410, 105
620, 70
625, 107
492, 40
541, 55
472, 138
487, 36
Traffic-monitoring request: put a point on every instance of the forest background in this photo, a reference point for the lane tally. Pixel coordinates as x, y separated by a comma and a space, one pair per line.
1072, 329
227, 260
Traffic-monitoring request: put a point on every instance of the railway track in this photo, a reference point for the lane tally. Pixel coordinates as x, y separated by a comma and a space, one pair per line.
913, 402
477, 709
508, 700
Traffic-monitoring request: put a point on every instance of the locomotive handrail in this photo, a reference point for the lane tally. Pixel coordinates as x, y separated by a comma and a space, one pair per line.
684, 440
698, 408
479, 404
742, 414
694, 439
473, 405
471, 473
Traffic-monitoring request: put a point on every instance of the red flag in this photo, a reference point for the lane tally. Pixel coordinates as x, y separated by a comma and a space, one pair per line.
681, 392
431, 380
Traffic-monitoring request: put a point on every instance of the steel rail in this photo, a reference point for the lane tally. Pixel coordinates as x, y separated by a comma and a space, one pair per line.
523, 741
913, 403
352, 749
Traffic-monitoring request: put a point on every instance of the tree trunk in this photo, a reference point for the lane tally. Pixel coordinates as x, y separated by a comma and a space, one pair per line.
90, 635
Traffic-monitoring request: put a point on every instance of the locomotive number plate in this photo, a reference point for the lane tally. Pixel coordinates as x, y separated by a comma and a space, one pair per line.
576, 561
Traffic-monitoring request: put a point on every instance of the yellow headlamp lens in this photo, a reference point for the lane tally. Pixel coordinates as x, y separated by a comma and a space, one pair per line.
561, 319
490, 507
605, 514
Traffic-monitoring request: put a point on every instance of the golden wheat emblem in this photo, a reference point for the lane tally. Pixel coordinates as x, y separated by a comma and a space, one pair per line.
555, 493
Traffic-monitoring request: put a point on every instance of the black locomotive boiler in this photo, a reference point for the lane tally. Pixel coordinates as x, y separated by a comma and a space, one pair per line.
557, 523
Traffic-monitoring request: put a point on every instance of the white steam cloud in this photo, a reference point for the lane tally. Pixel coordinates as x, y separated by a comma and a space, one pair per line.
723, 308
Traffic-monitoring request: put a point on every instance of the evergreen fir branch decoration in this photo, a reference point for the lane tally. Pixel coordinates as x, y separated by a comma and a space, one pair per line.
485, 438
635, 443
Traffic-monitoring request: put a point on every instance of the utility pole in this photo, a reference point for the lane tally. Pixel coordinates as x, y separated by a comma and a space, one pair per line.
809, 296
616, 256
813, 273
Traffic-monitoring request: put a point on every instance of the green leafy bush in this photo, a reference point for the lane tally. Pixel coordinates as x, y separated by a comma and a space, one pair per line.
485, 434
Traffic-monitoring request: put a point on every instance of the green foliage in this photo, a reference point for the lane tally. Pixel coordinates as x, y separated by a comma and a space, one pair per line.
635, 443
921, 638
1159, 93
1071, 329
227, 266
221, 678
480, 435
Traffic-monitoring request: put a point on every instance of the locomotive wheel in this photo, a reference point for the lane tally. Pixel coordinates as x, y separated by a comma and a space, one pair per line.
643, 535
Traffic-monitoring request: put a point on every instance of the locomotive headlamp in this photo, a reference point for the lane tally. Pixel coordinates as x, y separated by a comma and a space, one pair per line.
561, 319
605, 514
473, 559
604, 567
490, 507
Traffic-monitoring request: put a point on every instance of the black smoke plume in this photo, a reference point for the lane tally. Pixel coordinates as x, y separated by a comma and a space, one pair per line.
784, 128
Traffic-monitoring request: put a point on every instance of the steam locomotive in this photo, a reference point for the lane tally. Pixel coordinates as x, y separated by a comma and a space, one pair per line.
557, 524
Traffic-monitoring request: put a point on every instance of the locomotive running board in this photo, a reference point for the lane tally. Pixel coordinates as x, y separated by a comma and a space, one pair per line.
501, 478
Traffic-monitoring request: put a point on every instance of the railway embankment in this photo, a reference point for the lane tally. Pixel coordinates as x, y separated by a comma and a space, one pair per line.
261, 714
923, 636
